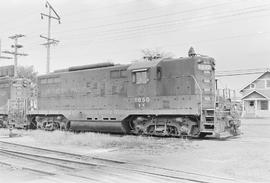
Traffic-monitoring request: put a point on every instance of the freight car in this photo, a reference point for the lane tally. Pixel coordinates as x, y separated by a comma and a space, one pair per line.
14, 101
167, 97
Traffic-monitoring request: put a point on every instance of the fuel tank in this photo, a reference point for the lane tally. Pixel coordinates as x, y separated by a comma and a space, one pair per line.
98, 126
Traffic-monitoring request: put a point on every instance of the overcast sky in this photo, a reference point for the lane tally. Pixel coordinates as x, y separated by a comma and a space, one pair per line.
234, 32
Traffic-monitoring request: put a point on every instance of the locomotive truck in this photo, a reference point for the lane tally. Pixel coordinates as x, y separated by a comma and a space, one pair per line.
165, 97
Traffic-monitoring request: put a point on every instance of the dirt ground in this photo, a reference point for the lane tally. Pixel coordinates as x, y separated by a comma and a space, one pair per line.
244, 158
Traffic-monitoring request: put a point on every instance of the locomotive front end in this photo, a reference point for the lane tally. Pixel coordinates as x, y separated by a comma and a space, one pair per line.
177, 97
218, 116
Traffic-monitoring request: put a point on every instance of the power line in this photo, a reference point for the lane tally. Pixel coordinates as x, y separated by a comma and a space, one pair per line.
137, 31
213, 40
152, 33
166, 31
201, 8
204, 18
150, 10
177, 21
174, 30
147, 18
28, 15
188, 44
238, 74
146, 10
123, 13
241, 72
71, 13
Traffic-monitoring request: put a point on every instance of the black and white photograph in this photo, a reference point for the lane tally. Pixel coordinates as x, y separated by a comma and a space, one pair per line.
134, 91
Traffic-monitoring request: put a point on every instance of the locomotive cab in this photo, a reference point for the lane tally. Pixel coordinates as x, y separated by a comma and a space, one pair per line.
165, 94
174, 97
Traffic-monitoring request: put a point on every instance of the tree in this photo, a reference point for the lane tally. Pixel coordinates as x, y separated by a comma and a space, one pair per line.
152, 54
27, 72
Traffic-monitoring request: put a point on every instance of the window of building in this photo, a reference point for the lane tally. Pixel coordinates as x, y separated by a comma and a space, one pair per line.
264, 105
267, 83
140, 77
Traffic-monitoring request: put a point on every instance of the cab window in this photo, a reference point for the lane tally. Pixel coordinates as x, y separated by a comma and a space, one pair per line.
159, 74
140, 77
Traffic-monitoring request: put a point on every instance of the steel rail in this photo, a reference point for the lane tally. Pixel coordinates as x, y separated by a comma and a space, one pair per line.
113, 161
27, 168
46, 172
9, 153
102, 165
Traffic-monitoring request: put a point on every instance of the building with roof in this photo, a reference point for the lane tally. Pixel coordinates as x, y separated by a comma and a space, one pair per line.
256, 97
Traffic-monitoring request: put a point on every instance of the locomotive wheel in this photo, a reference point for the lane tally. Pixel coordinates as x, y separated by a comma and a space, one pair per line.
165, 126
51, 126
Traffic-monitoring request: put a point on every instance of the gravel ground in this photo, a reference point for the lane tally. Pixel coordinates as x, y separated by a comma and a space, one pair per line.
245, 158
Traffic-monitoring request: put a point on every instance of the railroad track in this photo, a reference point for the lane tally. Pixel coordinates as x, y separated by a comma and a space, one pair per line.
105, 169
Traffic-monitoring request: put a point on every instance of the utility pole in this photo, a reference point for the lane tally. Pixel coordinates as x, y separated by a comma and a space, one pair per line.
48, 38
16, 46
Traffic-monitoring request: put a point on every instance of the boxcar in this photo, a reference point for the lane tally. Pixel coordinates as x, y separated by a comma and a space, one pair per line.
14, 101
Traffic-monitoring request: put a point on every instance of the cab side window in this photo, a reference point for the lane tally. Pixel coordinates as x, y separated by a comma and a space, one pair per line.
159, 73
140, 77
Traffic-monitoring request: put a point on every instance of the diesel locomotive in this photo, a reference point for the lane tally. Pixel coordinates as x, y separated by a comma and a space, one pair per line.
164, 97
